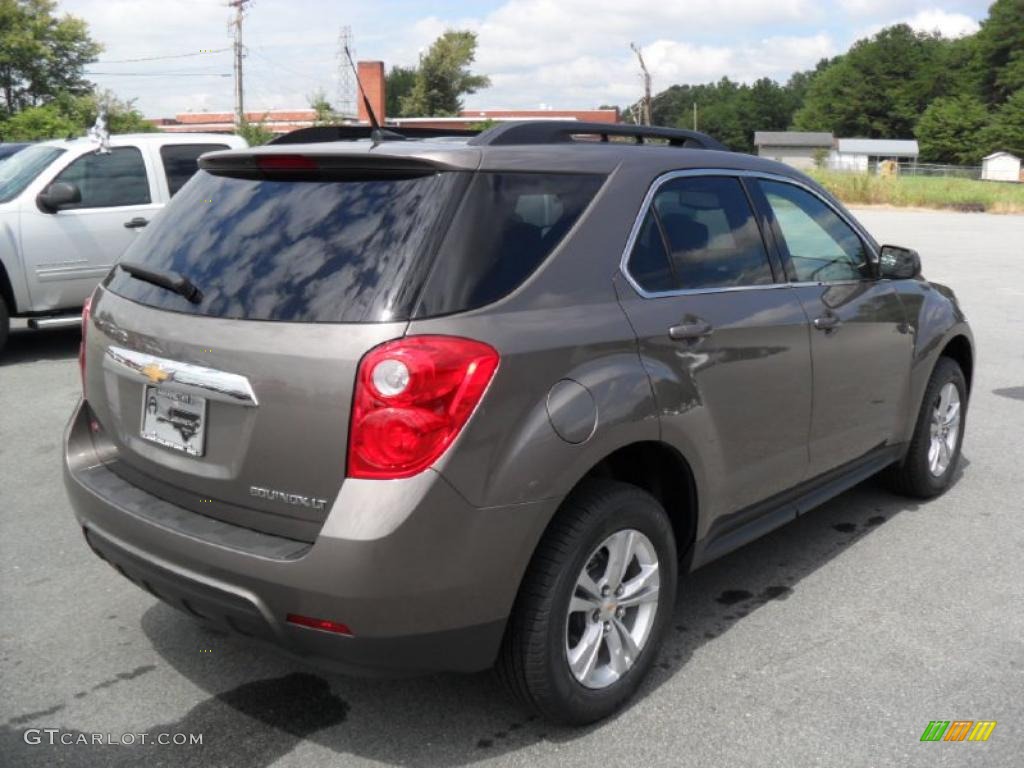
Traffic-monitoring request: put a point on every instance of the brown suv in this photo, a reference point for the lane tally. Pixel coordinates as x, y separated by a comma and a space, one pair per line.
458, 402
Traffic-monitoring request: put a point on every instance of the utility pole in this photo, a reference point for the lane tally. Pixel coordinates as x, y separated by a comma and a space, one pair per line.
695, 115
645, 110
236, 24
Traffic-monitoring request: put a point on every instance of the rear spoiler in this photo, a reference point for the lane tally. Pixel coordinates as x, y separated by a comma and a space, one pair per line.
306, 166
321, 133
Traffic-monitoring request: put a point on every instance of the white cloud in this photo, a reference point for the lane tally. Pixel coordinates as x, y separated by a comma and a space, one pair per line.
562, 53
929, 20
949, 24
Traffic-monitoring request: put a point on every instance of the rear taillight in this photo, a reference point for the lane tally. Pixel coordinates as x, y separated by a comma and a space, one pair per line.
86, 314
412, 398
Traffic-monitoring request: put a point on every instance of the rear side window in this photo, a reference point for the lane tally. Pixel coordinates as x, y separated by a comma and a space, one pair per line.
507, 225
709, 238
303, 251
180, 162
109, 179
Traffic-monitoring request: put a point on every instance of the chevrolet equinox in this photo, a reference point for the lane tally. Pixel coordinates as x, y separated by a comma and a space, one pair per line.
455, 402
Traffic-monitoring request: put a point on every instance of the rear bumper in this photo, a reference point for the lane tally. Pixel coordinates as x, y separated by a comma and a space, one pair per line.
424, 580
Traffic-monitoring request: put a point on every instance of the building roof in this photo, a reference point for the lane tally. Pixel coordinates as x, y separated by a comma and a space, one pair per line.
1001, 154
793, 139
882, 147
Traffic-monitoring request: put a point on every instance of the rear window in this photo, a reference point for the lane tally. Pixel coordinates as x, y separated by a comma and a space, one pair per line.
354, 250
181, 162
507, 225
302, 251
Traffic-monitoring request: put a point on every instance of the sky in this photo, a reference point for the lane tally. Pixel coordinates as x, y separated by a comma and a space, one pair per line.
538, 53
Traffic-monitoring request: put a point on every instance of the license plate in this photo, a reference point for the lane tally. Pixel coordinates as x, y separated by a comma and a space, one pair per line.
174, 420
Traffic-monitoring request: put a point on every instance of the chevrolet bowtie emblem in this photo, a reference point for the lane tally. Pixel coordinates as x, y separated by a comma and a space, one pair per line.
155, 373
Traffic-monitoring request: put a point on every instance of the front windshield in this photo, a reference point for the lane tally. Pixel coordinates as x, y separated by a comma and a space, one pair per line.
18, 171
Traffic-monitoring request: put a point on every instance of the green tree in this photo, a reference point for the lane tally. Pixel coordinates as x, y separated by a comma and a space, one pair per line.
1006, 130
1001, 49
323, 111
255, 133
70, 115
879, 87
949, 129
398, 83
729, 111
443, 77
39, 123
41, 55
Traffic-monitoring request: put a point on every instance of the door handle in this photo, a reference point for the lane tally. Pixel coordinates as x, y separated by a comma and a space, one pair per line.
135, 223
827, 322
698, 329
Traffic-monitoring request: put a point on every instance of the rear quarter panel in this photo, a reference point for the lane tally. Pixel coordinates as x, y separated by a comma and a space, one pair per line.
564, 322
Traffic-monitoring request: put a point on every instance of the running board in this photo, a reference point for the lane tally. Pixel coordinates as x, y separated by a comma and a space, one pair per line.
64, 321
754, 522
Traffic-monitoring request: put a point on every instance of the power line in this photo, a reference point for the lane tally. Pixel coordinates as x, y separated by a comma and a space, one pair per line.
289, 70
162, 58
160, 74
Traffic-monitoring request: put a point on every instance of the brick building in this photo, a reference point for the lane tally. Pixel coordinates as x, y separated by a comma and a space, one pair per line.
371, 74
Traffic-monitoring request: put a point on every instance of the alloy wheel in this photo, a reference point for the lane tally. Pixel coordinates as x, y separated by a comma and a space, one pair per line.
945, 430
612, 609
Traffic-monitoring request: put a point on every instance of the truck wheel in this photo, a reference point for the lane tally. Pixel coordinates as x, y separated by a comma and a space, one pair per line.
594, 605
934, 453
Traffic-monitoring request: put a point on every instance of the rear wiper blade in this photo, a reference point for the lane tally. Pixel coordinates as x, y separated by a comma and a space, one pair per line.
165, 278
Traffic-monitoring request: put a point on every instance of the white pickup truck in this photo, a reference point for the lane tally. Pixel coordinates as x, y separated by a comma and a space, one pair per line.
68, 212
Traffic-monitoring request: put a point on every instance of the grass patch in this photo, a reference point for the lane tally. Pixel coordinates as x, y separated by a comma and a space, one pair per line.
923, 192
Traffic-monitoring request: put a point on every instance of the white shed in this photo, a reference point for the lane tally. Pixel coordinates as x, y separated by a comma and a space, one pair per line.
1000, 166
865, 154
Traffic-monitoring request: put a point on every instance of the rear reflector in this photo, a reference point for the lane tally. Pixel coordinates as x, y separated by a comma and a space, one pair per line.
285, 163
325, 625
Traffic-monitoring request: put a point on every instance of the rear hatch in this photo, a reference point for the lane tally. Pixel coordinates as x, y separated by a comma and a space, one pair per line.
232, 398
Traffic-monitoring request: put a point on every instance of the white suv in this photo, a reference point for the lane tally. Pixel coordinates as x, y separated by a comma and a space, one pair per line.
68, 212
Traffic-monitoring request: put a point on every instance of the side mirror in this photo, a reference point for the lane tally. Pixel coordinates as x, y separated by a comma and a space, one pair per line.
58, 195
898, 263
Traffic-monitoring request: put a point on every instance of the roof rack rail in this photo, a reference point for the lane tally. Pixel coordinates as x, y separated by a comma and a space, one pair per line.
562, 131
320, 133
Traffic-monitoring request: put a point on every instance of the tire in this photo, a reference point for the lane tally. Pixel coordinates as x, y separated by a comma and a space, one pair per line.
916, 475
534, 659
5, 323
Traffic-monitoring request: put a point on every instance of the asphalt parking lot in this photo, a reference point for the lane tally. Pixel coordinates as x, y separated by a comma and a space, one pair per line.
833, 641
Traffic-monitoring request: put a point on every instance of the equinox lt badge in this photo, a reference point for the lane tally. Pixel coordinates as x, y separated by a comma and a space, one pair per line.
295, 499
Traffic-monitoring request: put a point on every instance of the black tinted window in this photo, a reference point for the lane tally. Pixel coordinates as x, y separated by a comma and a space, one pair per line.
710, 233
506, 226
307, 251
180, 162
648, 263
819, 244
109, 179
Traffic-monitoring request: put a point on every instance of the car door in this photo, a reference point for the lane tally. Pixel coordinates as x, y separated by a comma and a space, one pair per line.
724, 339
68, 252
861, 344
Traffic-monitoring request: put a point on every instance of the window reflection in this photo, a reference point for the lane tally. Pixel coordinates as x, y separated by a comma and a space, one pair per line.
307, 251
